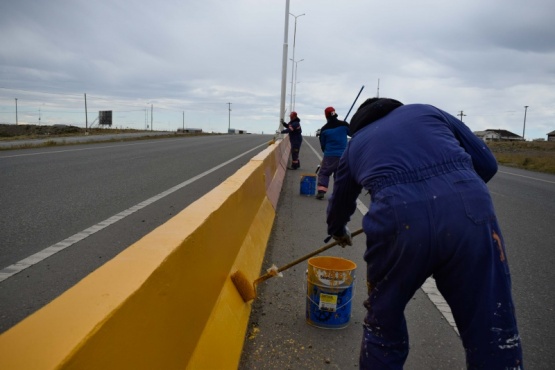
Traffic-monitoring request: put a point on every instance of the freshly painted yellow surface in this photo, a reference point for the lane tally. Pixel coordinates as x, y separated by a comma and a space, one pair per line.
167, 301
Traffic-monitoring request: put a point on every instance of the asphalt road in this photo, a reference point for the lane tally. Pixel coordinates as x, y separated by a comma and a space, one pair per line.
525, 205
121, 191
92, 201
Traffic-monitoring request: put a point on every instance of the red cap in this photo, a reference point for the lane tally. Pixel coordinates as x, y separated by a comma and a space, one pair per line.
329, 111
293, 115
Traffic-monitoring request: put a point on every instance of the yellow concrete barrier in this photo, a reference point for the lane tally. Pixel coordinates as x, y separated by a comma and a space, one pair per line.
167, 301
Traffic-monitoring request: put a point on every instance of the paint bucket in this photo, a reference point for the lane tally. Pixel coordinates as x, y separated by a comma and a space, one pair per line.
308, 184
329, 295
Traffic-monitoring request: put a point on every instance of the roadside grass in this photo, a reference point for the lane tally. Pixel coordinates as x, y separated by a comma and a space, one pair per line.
52, 143
530, 155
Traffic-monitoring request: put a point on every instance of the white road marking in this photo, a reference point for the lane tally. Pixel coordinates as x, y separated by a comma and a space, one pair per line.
25, 263
527, 177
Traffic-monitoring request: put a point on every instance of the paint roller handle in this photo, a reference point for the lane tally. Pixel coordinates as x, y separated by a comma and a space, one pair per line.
303, 258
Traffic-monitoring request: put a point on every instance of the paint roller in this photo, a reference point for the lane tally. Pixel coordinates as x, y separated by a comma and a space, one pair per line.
247, 290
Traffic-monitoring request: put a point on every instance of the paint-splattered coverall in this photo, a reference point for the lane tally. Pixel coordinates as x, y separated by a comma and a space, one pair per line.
293, 128
431, 215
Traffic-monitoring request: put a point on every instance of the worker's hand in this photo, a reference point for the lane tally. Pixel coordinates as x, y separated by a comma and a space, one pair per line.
345, 239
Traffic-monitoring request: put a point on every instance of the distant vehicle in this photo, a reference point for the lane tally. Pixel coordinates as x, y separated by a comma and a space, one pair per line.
318, 132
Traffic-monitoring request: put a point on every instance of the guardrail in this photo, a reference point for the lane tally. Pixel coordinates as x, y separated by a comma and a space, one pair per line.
167, 301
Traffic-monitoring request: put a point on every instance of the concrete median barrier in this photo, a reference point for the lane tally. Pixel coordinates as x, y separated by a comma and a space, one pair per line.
167, 301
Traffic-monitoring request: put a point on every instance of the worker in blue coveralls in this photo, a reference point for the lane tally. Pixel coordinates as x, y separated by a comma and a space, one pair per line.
293, 128
333, 141
431, 215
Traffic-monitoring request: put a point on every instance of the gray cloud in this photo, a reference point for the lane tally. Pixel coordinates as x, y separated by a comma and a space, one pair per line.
488, 59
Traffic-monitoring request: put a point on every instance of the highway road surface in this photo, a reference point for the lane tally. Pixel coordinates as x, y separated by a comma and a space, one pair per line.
88, 202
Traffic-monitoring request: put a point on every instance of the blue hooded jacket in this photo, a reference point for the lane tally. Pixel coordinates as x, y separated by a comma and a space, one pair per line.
333, 137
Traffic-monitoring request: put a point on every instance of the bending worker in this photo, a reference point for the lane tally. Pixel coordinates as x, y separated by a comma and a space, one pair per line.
431, 216
293, 128
333, 141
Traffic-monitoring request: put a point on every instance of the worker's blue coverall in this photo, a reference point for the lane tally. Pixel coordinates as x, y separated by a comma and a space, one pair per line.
293, 128
431, 215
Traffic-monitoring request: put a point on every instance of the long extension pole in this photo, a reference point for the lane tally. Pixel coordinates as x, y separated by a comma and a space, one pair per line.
353, 103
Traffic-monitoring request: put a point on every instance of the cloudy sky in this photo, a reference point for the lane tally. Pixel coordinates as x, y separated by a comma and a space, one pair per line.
180, 63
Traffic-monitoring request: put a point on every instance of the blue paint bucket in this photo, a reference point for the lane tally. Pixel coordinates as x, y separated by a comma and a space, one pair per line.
308, 184
329, 296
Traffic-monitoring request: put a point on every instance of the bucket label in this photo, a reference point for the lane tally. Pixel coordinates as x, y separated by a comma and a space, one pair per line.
333, 278
328, 302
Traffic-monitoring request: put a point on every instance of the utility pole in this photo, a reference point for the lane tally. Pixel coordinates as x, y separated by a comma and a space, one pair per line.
183, 121
16, 121
461, 113
378, 93
524, 127
228, 117
151, 115
86, 116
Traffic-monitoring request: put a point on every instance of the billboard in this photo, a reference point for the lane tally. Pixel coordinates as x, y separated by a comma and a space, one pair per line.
105, 118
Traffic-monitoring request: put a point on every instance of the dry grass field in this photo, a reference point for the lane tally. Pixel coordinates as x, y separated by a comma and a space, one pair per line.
530, 155
17, 132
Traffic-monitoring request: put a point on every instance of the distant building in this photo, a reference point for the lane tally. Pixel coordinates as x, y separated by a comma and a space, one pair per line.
236, 131
498, 135
551, 136
487, 135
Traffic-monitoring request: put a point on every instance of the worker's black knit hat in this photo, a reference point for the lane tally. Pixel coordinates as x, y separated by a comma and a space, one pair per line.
372, 110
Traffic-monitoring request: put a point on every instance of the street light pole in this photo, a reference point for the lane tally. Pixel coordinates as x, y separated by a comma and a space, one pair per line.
524, 127
292, 64
16, 121
294, 89
284, 66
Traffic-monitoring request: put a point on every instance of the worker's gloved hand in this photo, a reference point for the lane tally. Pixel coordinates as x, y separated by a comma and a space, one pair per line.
345, 239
